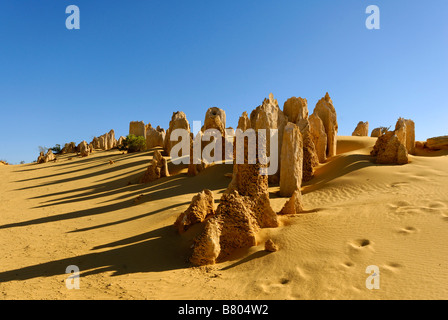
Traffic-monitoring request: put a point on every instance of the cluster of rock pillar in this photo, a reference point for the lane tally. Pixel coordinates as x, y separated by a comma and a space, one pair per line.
303, 142
155, 137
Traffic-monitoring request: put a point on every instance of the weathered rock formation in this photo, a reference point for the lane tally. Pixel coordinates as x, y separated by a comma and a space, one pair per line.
244, 122
215, 118
96, 143
291, 160
317, 131
295, 109
327, 113
50, 156
390, 150
405, 131
196, 164
110, 141
243, 209
310, 158
201, 208
84, 149
41, 157
233, 226
120, 141
362, 129
294, 204
154, 137
106, 141
44, 158
268, 116
69, 148
102, 141
270, 246
157, 169
377, 132
137, 128
253, 187
178, 121
437, 143
91, 149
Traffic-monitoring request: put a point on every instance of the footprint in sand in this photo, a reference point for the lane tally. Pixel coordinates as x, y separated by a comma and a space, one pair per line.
359, 246
437, 205
392, 266
398, 184
399, 205
363, 242
418, 178
404, 207
407, 230
270, 287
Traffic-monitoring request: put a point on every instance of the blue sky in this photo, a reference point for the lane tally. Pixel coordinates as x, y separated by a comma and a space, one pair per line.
143, 60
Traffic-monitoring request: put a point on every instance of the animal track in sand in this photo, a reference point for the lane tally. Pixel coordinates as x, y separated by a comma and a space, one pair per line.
404, 207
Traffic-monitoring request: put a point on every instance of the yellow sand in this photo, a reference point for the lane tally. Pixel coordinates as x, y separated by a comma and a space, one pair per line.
85, 212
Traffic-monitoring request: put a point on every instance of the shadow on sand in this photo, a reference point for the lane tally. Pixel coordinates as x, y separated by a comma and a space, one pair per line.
126, 189
146, 252
336, 167
143, 253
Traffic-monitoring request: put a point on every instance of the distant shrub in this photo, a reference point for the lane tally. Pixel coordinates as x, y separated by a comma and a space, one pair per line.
56, 148
384, 129
134, 143
42, 149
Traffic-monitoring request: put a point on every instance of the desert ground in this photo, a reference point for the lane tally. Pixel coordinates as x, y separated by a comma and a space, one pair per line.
95, 215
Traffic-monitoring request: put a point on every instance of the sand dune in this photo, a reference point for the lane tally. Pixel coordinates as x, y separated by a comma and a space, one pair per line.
93, 214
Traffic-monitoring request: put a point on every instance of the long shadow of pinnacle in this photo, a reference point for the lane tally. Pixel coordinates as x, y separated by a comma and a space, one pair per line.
163, 188
129, 219
337, 167
143, 253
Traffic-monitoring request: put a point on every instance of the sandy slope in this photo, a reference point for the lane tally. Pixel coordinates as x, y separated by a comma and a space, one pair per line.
86, 212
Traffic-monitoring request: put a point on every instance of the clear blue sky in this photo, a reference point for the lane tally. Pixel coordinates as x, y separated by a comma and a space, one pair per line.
142, 60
